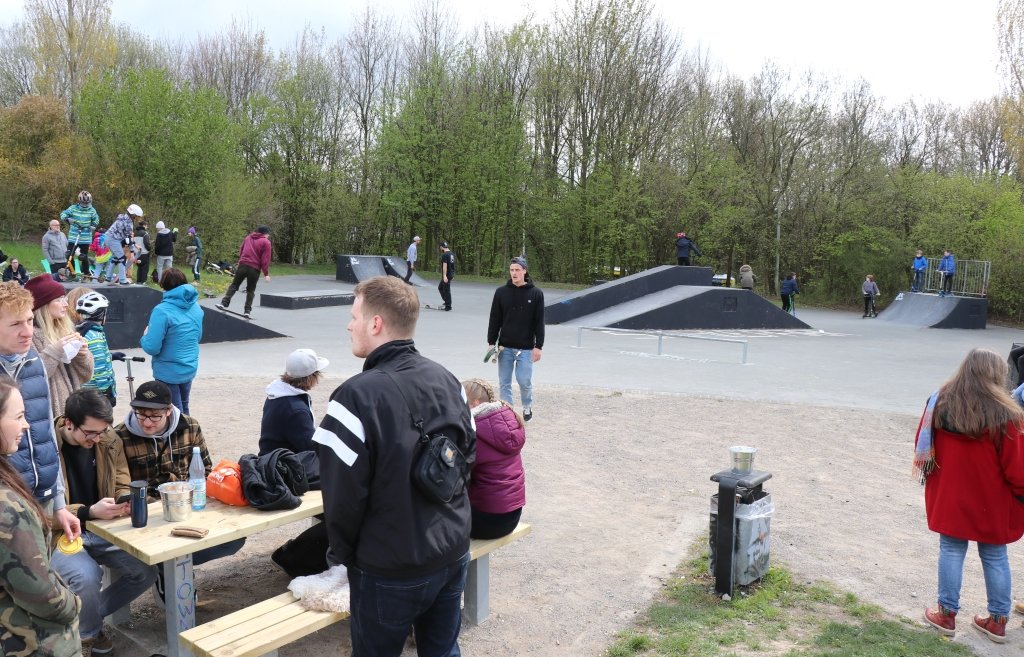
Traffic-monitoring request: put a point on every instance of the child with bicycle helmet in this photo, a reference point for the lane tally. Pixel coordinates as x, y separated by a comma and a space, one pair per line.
88, 309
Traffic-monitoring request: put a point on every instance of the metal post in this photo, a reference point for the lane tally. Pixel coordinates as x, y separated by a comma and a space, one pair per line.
661, 339
579, 338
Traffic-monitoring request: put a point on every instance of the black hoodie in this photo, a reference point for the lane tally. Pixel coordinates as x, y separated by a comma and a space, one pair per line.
517, 315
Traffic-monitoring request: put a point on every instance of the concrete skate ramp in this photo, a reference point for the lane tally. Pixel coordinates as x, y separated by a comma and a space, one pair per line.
600, 297
933, 311
223, 327
358, 268
692, 307
128, 312
396, 266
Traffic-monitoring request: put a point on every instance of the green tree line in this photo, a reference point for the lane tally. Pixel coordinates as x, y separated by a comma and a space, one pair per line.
586, 139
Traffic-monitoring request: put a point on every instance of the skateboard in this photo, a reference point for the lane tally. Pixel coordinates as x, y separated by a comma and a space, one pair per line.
492, 354
232, 312
430, 307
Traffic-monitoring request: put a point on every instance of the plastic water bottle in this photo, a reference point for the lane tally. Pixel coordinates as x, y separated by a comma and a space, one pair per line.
197, 477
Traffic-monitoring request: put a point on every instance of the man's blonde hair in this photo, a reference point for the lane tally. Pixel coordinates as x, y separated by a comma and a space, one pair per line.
14, 299
394, 300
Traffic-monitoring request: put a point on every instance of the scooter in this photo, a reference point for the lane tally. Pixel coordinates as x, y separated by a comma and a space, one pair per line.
121, 356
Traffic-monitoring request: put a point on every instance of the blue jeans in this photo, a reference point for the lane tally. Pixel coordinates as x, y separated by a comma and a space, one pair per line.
217, 551
520, 360
994, 564
918, 279
82, 573
383, 610
180, 393
116, 257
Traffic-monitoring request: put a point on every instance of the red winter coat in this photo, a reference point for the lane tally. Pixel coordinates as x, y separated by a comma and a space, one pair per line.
498, 482
970, 494
255, 252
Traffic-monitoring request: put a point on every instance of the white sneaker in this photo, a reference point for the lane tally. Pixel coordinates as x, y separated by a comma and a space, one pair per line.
527, 414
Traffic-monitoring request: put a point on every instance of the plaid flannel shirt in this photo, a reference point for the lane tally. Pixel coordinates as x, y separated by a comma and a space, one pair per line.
158, 463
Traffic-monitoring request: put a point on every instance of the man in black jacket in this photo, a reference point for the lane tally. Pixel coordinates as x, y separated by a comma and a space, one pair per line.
392, 539
516, 325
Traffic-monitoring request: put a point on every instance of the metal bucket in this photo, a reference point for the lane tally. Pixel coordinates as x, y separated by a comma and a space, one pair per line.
177, 500
742, 459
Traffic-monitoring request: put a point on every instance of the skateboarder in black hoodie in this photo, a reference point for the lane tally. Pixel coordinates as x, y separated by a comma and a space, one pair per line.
517, 326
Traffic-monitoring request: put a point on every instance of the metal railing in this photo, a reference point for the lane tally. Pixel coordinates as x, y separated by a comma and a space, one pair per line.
970, 280
661, 335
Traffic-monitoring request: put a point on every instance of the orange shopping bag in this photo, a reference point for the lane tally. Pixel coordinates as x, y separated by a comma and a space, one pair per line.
224, 483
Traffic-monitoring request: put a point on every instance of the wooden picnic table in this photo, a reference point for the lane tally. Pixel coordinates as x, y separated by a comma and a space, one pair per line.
154, 544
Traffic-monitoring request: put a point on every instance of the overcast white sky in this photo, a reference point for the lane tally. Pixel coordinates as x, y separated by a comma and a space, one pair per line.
927, 49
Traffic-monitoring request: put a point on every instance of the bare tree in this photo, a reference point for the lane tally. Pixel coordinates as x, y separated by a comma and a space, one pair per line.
17, 67
73, 40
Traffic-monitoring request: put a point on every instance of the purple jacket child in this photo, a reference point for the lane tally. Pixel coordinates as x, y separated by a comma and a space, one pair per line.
498, 482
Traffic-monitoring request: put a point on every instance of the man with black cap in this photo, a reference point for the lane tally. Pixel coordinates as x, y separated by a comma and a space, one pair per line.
158, 441
516, 325
447, 274
253, 258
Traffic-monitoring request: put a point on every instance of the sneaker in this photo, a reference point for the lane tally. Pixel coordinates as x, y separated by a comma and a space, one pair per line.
247, 315
221, 306
447, 307
102, 644
941, 619
994, 627
527, 414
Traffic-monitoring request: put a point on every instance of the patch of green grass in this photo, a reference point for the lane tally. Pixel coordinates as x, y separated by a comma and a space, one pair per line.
776, 617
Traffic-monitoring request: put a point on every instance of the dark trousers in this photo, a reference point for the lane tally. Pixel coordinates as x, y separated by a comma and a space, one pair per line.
408, 271
56, 266
446, 293
142, 269
787, 303
383, 610
947, 283
494, 525
869, 304
251, 276
683, 261
84, 268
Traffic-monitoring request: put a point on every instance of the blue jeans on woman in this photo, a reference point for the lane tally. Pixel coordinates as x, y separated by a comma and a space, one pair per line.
180, 393
520, 360
994, 563
83, 574
383, 610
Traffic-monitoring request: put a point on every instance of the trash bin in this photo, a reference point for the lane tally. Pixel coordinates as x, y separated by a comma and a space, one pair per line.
739, 529
751, 537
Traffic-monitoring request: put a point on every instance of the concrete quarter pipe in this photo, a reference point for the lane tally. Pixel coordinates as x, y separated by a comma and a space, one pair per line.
933, 311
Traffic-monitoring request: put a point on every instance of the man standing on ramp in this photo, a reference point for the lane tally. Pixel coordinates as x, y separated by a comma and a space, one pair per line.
410, 258
516, 325
684, 245
253, 258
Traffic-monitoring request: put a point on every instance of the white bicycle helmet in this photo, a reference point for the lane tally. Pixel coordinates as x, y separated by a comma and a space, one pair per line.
91, 305
84, 198
135, 210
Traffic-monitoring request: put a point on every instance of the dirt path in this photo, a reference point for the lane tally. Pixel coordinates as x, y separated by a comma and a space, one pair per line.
618, 488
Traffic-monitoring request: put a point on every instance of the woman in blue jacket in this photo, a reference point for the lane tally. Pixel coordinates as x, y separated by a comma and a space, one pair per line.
173, 335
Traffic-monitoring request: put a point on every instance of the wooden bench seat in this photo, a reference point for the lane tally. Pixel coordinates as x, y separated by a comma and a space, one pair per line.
266, 626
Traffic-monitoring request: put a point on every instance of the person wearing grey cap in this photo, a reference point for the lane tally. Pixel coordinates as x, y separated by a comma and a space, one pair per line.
288, 410
516, 326
410, 258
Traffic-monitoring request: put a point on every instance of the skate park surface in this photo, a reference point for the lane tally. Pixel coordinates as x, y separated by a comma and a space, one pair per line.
833, 410
843, 360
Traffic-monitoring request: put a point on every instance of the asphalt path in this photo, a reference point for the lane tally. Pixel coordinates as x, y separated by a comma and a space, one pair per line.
843, 360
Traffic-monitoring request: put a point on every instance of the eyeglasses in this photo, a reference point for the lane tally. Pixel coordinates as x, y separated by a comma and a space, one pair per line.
151, 417
91, 435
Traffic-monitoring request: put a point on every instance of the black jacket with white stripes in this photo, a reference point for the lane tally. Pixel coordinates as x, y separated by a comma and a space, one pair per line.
376, 519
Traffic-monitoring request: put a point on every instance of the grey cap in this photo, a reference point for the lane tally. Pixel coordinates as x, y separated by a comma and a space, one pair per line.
519, 260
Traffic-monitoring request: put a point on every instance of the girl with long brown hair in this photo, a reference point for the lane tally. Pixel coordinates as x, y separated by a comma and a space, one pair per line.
38, 612
970, 456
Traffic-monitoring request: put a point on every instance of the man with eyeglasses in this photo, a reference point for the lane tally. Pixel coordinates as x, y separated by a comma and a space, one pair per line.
95, 476
158, 440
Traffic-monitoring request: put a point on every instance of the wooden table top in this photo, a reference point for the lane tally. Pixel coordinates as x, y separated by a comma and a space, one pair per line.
155, 544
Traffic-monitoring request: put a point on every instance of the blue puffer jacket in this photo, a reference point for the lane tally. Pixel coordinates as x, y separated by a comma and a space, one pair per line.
789, 286
172, 339
36, 459
947, 264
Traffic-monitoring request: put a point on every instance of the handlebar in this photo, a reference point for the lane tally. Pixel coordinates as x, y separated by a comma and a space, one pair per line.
120, 355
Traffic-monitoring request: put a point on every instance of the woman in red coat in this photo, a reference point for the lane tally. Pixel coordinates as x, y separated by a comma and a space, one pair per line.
497, 486
970, 455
